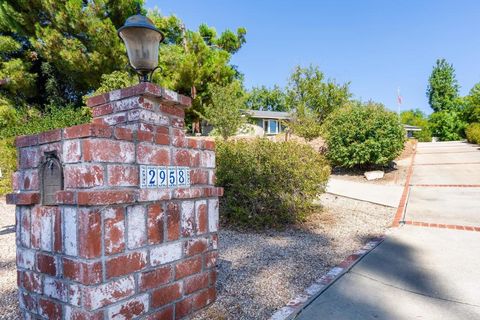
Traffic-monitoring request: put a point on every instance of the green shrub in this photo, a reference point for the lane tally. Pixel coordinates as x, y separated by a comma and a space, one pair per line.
25, 121
363, 136
447, 125
268, 184
473, 133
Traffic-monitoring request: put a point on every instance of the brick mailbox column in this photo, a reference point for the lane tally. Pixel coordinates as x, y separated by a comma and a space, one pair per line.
118, 218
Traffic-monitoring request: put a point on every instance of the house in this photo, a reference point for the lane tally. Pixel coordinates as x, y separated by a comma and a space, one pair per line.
410, 130
265, 123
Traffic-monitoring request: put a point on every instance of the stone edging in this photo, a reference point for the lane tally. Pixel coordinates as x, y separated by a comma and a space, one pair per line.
442, 225
298, 303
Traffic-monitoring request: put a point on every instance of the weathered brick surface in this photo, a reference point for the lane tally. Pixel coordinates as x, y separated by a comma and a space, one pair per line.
109, 249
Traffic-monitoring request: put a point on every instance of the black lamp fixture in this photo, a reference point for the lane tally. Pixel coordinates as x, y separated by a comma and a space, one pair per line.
142, 40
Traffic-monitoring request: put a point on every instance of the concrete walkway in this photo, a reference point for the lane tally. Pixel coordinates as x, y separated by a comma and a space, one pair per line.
387, 195
420, 272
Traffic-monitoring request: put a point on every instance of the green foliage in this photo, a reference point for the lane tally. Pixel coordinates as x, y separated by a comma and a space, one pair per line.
471, 112
417, 118
115, 80
266, 99
268, 184
472, 132
447, 125
14, 122
313, 98
442, 90
363, 135
224, 112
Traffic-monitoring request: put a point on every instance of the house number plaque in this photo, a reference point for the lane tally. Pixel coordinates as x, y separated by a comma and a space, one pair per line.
164, 177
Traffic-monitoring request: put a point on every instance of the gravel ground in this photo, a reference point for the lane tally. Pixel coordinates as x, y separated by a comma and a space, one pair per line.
8, 274
261, 272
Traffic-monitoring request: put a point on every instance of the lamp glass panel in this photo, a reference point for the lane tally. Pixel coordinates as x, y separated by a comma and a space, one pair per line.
142, 47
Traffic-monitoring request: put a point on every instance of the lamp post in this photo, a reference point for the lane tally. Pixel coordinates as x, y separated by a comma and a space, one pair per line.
142, 40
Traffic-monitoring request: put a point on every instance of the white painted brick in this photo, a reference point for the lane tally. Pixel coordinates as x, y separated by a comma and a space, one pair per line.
46, 232
137, 233
112, 291
165, 253
198, 203
213, 215
114, 312
207, 159
115, 95
25, 258
71, 151
70, 229
74, 295
187, 218
55, 289
24, 225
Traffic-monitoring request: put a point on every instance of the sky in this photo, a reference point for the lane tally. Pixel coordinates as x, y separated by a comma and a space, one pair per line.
379, 46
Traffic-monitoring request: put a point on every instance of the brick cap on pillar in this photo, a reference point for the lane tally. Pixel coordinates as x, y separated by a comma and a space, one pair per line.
142, 89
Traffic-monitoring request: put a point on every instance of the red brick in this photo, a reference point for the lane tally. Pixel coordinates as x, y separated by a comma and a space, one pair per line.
71, 151
46, 264
213, 192
102, 110
164, 314
188, 267
201, 217
126, 264
105, 197
50, 136
198, 176
108, 293
111, 120
155, 223
187, 193
177, 123
30, 180
183, 308
87, 130
42, 227
26, 141
181, 157
211, 259
90, 233
83, 272
83, 176
32, 282
25, 227
192, 143
162, 130
65, 197
155, 278
195, 283
213, 277
166, 295
179, 139
147, 195
123, 176
79, 314
203, 298
173, 221
102, 150
209, 145
28, 302
195, 246
162, 139
97, 100
123, 134
129, 309
145, 136
152, 154
23, 198
172, 110
49, 309
114, 230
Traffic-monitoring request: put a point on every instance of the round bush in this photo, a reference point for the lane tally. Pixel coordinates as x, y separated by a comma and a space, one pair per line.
267, 183
473, 133
363, 136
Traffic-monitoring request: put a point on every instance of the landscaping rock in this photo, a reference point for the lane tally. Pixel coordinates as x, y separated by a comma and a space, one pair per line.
374, 175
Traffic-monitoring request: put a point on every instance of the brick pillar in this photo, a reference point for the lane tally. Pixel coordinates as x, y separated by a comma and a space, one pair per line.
110, 247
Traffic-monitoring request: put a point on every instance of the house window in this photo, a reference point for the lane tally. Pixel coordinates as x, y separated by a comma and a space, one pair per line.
271, 126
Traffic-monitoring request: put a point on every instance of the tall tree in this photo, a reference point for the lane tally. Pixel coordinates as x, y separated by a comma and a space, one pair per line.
224, 110
263, 98
442, 90
472, 105
313, 98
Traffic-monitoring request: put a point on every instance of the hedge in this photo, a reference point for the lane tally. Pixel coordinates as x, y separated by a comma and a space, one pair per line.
473, 133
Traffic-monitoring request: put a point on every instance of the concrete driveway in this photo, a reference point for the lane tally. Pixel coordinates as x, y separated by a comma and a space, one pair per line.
429, 268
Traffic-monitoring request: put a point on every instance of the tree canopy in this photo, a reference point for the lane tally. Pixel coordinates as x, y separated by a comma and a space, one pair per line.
267, 99
442, 90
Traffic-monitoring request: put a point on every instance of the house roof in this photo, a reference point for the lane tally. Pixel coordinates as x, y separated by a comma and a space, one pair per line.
259, 114
411, 128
